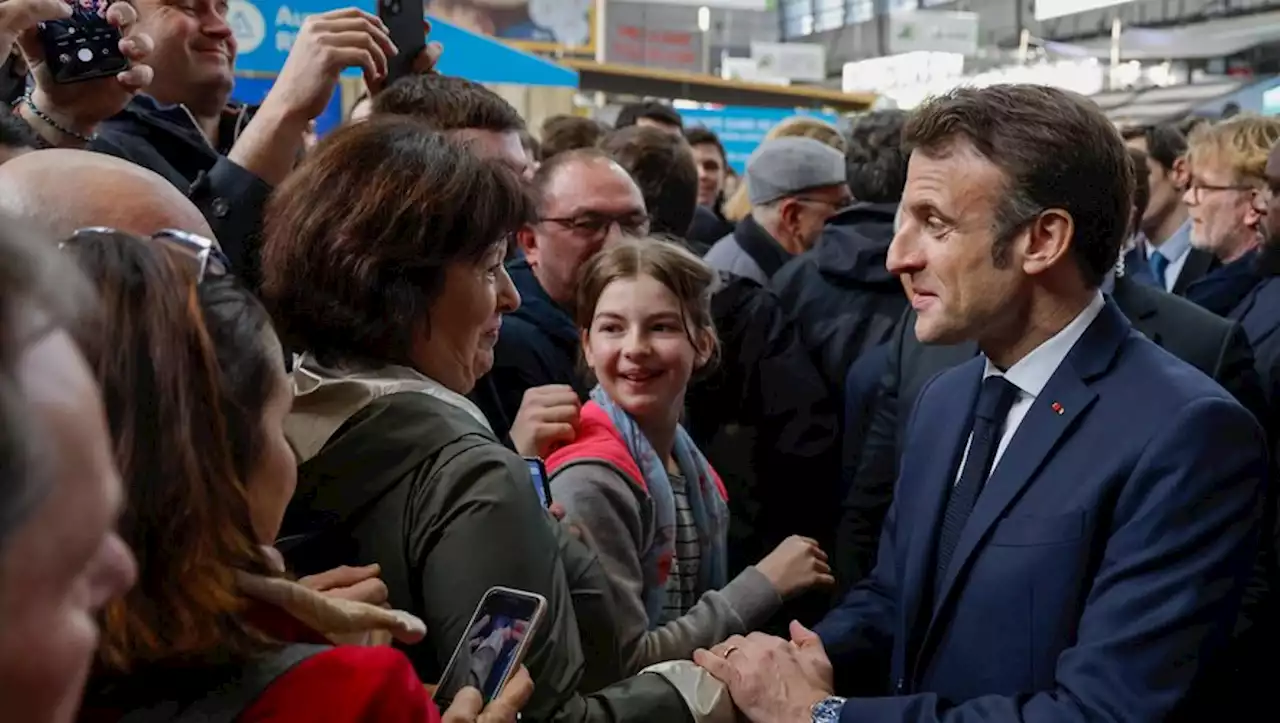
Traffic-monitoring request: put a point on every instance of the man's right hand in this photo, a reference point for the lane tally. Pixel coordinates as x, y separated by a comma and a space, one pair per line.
328, 44
515, 695
548, 417
80, 107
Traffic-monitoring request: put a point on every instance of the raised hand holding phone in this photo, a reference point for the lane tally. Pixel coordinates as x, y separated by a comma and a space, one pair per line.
18, 16
70, 100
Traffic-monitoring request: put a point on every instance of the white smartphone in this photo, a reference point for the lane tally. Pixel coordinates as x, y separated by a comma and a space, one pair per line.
494, 645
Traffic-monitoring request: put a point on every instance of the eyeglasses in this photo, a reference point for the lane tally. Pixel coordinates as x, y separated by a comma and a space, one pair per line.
202, 255
595, 225
1198, 189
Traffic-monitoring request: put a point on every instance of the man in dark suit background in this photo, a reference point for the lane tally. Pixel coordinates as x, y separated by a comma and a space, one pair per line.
1076, 512
1163, 245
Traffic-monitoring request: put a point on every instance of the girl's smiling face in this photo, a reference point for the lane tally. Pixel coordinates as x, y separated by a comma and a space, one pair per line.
642, 348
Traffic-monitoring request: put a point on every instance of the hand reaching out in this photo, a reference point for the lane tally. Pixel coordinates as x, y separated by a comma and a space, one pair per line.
795, 566
548, 417
19, 16
80, 107
772, 679
361, 584
468, 706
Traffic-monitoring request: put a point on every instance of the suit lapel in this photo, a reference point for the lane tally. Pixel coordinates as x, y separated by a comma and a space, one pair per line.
1198, 264
1137, 305
1052, 415
927, 481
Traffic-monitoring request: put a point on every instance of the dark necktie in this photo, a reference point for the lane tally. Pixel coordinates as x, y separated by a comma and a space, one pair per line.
994, 401
1159, 264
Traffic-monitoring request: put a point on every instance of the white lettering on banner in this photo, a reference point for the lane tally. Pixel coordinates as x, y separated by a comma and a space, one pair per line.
287, 24
247, 24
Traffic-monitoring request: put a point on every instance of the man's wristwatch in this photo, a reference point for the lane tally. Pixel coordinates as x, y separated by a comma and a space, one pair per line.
827, 710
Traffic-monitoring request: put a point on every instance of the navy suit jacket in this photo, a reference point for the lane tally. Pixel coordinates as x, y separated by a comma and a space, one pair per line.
1104, 559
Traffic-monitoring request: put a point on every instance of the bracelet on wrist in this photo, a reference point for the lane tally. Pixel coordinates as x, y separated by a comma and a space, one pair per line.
30, 103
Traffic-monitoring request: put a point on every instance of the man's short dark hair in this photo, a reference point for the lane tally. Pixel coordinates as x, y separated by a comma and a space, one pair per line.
651, 109
448, 103
563, 133
40, 290
14, 132
875, 160
1055, 148
699, 136
359, 238
662, 166
1166, 142
1141, 186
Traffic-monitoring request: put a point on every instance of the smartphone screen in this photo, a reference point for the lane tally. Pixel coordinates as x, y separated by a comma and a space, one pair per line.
494, 645
541, 485
83, 46
404, 19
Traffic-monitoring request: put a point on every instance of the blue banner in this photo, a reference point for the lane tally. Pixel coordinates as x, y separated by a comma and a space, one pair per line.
254, 90
266, 29
742, 128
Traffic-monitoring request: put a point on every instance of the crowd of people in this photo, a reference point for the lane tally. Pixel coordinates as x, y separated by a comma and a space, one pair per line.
962, 414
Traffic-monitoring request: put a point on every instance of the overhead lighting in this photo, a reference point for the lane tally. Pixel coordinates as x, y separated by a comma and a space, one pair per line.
704, 19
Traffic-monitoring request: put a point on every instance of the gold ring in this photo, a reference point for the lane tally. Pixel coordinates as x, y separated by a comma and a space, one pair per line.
728, 651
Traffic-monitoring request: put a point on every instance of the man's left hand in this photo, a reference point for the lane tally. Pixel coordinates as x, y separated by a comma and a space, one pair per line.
772, 680
423, 63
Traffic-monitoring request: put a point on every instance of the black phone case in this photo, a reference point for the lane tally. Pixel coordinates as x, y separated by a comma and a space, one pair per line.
82, 47
404, 19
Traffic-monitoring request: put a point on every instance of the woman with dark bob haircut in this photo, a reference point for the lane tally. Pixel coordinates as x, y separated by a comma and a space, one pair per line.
383, 264
193, 380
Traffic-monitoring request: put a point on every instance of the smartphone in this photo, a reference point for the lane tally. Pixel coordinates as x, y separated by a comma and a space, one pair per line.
84, 46
494, 645
541, 485
404, 18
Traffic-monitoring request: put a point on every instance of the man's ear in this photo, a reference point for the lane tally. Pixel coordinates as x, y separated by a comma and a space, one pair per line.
1253, 218
1181, 173
704, 348
1048, 241
528, 242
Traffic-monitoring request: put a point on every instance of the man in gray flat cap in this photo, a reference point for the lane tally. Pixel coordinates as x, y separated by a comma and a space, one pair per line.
794, 185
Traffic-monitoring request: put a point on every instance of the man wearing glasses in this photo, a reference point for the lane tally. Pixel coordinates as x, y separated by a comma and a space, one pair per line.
586, 201
795, 185
1227, 162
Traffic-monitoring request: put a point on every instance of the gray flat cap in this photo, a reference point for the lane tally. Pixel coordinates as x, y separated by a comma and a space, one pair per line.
786, 166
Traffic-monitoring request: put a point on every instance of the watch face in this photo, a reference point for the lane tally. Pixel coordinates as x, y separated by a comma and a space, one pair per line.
828, 710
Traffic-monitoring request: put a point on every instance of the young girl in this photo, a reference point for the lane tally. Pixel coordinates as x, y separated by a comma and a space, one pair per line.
633, 482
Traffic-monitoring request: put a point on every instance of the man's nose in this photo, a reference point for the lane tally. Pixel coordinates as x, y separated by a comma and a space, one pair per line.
902, 256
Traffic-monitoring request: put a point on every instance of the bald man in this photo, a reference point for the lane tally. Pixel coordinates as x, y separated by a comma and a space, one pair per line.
62, 190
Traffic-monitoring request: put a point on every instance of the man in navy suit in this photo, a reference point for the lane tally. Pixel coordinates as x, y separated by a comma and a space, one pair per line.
1076, 511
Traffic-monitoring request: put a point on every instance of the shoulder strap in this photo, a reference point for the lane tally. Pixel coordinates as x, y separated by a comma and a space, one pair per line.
230, 695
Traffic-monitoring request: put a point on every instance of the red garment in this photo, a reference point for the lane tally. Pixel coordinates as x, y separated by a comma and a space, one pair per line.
348, 684
597, 438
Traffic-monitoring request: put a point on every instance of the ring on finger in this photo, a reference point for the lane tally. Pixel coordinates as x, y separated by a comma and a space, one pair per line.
728, 651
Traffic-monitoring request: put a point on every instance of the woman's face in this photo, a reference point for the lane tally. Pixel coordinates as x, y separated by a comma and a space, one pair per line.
640, 349
275, 475
456, 348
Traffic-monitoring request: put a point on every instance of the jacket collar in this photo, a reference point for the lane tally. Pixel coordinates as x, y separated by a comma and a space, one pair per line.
325, 398
757, 243
538, 308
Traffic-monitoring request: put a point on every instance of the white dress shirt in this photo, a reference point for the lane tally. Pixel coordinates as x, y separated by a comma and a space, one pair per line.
1032, 372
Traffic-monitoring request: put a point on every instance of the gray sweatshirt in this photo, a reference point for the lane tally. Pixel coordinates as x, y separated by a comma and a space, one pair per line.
618, 522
